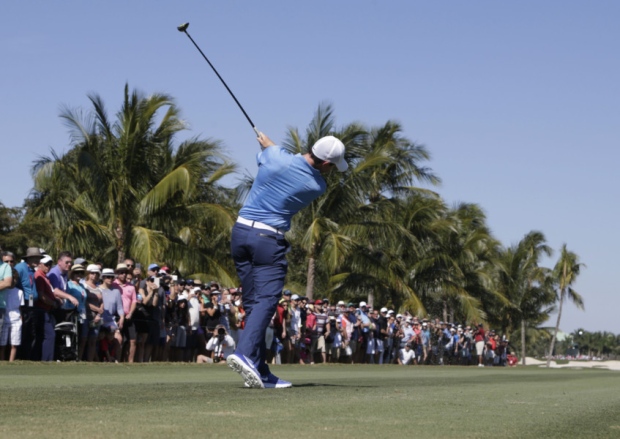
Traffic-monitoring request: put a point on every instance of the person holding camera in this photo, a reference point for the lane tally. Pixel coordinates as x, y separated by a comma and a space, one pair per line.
221, 345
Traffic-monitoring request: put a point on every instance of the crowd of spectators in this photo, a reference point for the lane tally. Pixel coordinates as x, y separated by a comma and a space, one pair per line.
130, 313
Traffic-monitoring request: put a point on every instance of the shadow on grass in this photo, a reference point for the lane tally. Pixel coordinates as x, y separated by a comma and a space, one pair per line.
330, 385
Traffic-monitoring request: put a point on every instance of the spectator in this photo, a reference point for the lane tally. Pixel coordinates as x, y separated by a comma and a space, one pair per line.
355, 333
196, 335
113, 309
58, 275
490, 346
128, 294
48, 303
221, 344
236, 315
33, 319
142, 322
294, 329
152, 289
365, 331
381, 333
75, 289
318, 333
12, 326
479, 337
281, 323
333, 339
406, 355
183, 326
425, 336
7, 282
94, 309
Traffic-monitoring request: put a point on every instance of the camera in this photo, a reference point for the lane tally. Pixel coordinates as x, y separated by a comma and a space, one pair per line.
221, 331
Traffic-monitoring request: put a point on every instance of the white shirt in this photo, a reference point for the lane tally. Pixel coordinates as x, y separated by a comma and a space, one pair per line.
14, 299
295, 322
227, 347
406, 357
194, 312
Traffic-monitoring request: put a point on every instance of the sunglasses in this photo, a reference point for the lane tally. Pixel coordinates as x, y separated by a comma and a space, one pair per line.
10, 262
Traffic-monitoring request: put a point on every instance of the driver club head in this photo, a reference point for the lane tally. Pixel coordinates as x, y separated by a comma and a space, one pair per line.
183, 27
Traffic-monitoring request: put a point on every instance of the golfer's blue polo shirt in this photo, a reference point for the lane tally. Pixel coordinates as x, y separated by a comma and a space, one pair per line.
284, 185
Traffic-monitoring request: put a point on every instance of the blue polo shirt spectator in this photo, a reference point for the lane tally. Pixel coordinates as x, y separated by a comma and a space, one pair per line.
25, 281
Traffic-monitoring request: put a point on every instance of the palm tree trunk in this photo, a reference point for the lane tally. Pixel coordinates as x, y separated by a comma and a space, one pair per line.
371, 300
120, 242
445, 310
555, 333
310, 278
523, 341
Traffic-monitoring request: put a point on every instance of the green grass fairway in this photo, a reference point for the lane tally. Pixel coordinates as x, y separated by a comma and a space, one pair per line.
179, 400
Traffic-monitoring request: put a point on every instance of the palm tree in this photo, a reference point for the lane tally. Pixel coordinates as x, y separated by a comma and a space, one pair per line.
526, 286
124, 189
565, 274
453, 275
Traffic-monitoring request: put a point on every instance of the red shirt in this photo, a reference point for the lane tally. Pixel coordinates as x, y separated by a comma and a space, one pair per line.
44, 288
479, 335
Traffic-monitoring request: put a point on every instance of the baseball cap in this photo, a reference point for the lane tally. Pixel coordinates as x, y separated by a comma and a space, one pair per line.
351, 304
390, 312
287, 293
294, 297
153, 267
340, 303
363, 304
46, 259
383, 309
80, 261
331, 149
318, 302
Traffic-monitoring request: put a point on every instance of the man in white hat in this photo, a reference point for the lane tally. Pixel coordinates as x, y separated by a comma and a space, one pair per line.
285, 184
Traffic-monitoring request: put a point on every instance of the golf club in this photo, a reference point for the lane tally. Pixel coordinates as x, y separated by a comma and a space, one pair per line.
183, 28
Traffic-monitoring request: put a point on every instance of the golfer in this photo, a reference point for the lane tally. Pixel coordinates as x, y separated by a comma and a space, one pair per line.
285, 184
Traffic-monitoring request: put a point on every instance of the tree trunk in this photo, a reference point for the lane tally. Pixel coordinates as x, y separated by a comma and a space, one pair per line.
557, 328
310, 279
371, 300
445, 311
120, 242
523, 342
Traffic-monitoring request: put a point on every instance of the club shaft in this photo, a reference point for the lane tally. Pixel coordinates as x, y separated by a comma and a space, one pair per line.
223, 82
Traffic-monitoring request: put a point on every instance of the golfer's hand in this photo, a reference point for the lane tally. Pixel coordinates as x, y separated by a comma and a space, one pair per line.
264, 141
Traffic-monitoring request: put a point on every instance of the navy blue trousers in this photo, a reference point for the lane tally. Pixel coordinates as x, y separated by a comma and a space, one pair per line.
260, 259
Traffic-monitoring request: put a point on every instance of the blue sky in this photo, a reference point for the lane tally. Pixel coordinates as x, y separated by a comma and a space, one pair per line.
518, 102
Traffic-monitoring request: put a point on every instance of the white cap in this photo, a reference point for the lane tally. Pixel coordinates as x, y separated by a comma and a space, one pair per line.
399, 316
383, 309
363, 304
46, 259
92, 268
330, 149
391, 311
295, 297
196, 290
341, 302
